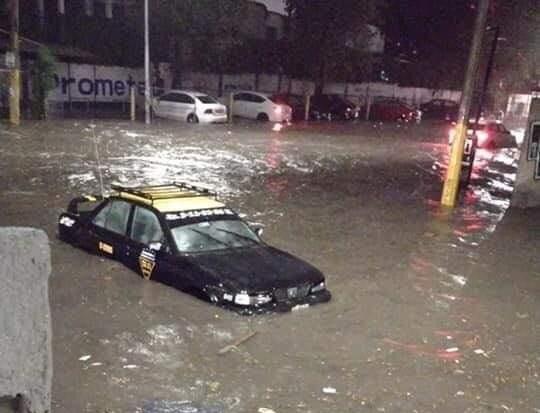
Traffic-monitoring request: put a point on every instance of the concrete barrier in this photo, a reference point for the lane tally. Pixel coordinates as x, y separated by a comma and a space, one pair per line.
25, 322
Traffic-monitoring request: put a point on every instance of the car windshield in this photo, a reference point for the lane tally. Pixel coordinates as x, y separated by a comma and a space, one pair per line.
213, 235
206, 99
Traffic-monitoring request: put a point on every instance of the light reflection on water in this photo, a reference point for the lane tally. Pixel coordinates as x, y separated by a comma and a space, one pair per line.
445, 259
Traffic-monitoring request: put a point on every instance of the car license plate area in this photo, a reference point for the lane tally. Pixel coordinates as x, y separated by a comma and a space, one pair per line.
292, 293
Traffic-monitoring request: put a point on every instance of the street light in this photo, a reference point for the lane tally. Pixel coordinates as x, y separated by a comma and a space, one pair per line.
147, 94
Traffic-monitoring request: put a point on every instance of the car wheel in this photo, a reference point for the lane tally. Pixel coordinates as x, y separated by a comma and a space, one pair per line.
192, 118
262, 117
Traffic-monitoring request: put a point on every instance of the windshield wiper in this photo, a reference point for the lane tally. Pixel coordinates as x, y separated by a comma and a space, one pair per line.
237, 235
210, 237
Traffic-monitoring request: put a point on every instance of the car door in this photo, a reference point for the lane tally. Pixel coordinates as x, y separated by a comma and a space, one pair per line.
165, 105
239, 104
147, 250
255, 105
184, 105
108, 228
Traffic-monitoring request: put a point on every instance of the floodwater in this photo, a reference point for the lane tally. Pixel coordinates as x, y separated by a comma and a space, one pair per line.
431, 312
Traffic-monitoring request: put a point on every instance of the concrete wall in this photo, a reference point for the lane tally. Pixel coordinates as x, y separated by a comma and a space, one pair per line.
269, 83
527, 188
25, 323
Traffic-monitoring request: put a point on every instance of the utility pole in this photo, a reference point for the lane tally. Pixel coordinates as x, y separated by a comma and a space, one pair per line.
147, 95
487, 76
451, 182
15, 72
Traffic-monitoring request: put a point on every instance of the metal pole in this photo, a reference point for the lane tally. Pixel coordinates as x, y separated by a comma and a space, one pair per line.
147, 96
481, 99
451, 183
231, 102
132, 102
307, 106
487, 76
15, 73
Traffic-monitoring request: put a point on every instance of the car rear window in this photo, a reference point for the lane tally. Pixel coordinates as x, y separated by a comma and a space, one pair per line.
206, 99
278, 99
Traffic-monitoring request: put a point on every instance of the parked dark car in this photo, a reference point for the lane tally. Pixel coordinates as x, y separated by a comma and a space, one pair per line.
442, 109
392, 110
181, 235
332, 107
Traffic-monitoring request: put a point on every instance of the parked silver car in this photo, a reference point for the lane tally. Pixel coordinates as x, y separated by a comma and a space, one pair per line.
190, 106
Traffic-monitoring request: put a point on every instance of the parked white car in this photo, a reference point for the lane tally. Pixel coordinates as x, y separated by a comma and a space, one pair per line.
260, 106
190, 106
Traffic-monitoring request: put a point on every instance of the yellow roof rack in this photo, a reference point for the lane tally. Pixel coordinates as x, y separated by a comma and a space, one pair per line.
169, 191
177, 196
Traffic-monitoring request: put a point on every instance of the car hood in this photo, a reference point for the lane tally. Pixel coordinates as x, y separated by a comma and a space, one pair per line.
256, 269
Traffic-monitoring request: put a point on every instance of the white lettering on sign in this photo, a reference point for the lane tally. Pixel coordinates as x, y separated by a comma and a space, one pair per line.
199, 213
100, 83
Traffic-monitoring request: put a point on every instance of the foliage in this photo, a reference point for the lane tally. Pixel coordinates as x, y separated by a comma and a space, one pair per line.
43, 81
429, 41
328, 38
517, 60
201, 34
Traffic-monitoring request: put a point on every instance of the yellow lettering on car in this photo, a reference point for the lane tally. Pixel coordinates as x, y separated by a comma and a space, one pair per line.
147, 263
106, 248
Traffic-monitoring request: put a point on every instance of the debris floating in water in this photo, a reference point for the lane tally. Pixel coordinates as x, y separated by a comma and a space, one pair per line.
85, 358
329, 390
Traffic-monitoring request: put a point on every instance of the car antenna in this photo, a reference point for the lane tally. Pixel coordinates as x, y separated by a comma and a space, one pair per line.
96, 149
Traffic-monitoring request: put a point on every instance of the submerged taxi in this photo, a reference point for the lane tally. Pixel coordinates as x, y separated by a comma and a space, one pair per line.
182, 235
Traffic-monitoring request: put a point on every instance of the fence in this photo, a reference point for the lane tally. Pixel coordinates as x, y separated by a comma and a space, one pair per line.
357, 92
91, 89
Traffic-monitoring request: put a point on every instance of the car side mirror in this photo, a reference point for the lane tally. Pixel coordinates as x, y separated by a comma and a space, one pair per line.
155, 246
258, 230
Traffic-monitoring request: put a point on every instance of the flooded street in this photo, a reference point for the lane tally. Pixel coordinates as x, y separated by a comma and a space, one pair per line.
430, 312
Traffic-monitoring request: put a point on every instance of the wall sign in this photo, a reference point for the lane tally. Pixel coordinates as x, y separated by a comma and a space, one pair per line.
75, 82
534, 141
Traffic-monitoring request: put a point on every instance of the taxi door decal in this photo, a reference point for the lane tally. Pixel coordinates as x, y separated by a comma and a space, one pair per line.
102, 246
147, 263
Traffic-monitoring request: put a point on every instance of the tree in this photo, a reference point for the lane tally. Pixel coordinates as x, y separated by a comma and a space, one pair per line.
517, 59
329, 37
201, 34
42, 74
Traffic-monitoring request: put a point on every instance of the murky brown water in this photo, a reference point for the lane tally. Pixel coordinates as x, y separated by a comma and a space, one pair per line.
430, 313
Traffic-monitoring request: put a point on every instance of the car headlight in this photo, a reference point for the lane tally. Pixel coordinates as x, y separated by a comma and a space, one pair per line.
319, 287
245, 299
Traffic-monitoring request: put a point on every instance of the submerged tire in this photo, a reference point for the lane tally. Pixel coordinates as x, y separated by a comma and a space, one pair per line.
192, 118
262, 117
